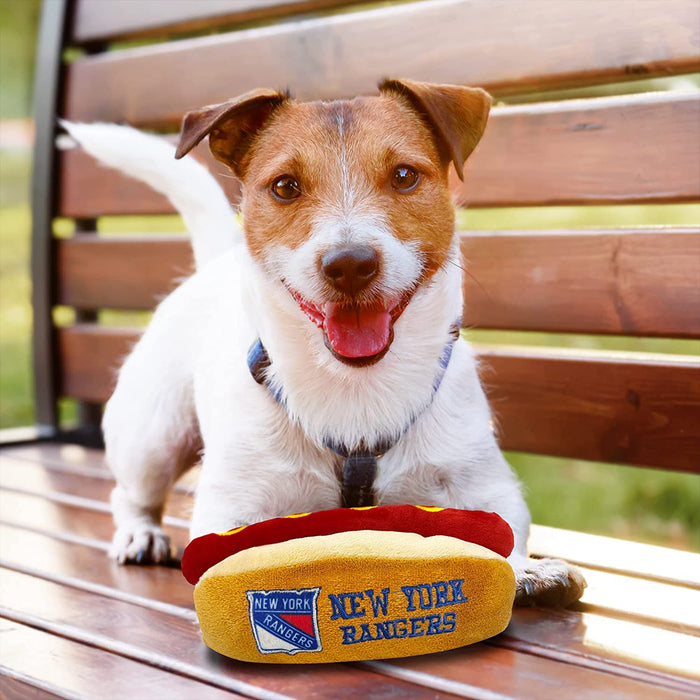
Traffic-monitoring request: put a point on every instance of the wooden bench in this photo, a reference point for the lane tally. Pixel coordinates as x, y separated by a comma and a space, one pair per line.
76, 625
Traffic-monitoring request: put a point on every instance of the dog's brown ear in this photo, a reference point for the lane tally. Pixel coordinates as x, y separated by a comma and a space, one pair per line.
231, 125
457, 114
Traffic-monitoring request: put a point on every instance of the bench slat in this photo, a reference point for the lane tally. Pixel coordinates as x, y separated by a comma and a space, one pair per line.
79, 671
568, 404
639, 148
12, 688
89, 190
450, 41
596, 406
643, 282
610, 554
41, 513
120, 273
640, 650
107, 20
87, 565
672, 607
33, 478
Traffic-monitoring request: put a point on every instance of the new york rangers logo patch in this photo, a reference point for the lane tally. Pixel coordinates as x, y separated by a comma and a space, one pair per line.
285, 621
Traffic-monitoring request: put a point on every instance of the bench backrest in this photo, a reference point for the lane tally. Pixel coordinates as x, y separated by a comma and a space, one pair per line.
633, 149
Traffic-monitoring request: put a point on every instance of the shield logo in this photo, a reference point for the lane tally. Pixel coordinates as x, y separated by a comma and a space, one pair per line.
285, 621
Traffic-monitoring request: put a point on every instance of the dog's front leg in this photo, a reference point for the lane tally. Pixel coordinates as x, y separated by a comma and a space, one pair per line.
539, 582
151, 440
257, 464
151, 433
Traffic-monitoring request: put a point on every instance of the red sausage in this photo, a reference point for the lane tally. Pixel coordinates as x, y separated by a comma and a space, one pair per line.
486, 529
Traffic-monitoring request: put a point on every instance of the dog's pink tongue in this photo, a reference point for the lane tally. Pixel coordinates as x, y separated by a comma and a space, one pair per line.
357, 331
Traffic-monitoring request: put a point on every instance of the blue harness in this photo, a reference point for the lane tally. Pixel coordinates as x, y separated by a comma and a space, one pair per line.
360, 465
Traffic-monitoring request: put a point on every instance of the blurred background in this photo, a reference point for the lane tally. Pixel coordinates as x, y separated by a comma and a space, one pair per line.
640, 504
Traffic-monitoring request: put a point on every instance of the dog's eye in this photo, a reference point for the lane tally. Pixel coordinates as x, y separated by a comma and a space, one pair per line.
285, 188
404, 178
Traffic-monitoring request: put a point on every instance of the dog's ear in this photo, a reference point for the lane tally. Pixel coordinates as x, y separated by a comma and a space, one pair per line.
231, 125
456, 114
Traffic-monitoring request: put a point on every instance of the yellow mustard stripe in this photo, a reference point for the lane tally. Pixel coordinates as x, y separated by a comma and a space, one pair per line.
297, 515
362, 507
430, 509
232, 532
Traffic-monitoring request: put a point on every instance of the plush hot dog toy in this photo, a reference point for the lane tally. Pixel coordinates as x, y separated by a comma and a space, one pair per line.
353, 583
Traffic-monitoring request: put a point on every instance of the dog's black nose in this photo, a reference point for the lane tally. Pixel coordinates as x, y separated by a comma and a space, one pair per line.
350, 269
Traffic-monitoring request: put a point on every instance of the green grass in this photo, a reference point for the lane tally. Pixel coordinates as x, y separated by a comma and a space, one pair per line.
15, 318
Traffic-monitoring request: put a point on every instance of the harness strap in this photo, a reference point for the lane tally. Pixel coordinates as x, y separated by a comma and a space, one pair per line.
359, 465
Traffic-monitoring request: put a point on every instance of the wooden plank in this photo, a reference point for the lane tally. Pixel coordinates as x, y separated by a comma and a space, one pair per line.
90, 357
16, 689
60, 455
610, 554
86, 189
108, 20
342, 56
466, 665
658, 604
667, 656
174, 643
79, 671
628, 282
609, 407
82, 565
71, 521
642, 282
133, 273
638, 148
80, 460
30, 478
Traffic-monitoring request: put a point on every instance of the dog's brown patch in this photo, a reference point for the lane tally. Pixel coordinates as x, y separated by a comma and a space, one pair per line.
343, 155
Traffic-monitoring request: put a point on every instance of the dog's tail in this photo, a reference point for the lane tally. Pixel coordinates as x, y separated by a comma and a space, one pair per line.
190, 187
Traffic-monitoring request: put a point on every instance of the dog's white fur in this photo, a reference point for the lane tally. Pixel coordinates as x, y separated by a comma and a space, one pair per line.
188, 376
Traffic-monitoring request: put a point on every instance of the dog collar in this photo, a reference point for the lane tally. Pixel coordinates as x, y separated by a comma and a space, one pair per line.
360, 465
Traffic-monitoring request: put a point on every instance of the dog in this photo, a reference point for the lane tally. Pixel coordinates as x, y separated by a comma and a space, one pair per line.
345, 279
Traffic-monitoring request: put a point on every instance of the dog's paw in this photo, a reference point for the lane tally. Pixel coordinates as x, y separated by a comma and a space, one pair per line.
141, 543
550, 583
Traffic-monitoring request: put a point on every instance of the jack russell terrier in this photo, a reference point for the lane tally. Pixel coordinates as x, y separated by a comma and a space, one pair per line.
314, 358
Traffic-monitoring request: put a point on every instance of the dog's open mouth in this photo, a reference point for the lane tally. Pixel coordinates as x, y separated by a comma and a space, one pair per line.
357, 334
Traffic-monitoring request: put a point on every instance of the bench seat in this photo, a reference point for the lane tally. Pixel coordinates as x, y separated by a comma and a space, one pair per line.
132, 632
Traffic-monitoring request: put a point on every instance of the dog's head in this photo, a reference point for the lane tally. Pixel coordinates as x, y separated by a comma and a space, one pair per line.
346, 204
